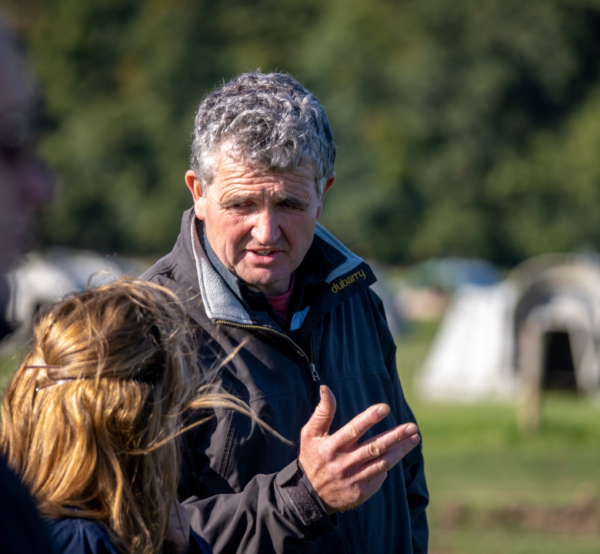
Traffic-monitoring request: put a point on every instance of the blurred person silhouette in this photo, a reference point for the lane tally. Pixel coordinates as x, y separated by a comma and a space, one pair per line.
25, 184
92, 419
253, 266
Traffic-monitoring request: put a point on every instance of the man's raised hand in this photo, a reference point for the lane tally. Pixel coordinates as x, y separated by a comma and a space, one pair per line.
343, 473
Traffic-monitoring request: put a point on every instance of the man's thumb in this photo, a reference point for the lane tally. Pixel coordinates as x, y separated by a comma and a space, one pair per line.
320, 422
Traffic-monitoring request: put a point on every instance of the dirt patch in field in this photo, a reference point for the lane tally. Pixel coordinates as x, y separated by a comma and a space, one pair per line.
582, 517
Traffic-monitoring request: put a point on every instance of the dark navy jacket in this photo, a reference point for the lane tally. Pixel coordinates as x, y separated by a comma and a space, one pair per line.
83, 536
79, 536
245, 491
21, 527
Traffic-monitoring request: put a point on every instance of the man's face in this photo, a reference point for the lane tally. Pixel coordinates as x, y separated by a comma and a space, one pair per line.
259, 225
25, 183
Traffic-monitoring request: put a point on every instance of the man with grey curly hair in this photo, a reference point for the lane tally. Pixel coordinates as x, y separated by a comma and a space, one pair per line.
262, 278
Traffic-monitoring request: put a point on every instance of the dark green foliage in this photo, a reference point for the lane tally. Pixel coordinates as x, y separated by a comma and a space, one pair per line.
463, 127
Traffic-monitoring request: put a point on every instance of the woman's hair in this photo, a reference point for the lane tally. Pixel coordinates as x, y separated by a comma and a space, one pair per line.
91, 419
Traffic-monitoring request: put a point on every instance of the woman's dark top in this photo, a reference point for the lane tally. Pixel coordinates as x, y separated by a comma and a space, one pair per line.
83, 536
21, 527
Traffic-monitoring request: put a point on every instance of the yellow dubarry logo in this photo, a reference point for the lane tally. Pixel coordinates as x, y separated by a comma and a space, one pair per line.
343, 283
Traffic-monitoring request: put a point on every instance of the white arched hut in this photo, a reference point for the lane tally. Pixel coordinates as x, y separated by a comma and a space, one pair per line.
540, 329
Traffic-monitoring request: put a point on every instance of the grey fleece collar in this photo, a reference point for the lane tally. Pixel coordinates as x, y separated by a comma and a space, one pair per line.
221, 296
219, 300
230, 279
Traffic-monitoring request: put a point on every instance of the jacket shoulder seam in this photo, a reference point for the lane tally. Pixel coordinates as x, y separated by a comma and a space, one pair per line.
162, 270
227, 446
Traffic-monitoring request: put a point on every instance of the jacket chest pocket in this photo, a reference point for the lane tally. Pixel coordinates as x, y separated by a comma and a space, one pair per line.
347, 347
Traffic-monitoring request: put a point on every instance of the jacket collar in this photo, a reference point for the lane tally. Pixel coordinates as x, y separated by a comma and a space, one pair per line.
328, 261
220, 294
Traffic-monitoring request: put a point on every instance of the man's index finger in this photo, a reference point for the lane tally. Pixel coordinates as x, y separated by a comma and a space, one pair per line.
358, 426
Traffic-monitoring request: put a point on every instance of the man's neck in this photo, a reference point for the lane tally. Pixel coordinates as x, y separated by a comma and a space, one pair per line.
273, 293
280, 302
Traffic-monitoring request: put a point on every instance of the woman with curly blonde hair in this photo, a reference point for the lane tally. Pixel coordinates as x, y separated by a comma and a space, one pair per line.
91, 419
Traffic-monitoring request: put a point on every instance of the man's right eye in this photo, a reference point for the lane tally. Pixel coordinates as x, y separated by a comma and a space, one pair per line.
243, 204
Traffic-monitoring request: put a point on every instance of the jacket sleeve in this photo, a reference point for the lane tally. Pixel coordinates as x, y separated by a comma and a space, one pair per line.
413, 465
274, 513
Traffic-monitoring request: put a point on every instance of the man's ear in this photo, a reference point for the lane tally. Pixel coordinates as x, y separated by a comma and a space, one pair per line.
325, 189
195, 186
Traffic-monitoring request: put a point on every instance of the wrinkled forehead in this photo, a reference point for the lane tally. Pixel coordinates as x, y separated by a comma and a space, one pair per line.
17, 91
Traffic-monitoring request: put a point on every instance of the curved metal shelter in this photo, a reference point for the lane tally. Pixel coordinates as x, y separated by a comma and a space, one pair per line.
538, 330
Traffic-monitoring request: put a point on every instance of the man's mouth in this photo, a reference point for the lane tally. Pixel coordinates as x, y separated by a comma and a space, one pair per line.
264, 255
264, 252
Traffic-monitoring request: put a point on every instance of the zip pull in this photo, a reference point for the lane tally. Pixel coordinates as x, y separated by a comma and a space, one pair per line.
313, 371
313, 367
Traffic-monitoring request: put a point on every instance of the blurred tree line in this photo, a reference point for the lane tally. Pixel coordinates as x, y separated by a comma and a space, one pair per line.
464, 128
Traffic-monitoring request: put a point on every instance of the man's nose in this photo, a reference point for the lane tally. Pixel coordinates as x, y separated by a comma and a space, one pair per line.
266, 228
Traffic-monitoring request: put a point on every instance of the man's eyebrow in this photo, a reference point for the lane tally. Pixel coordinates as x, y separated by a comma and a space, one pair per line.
236, 199
294, 201
280, 198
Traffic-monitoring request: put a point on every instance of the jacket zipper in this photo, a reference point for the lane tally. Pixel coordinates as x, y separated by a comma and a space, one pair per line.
310, 360
313, 367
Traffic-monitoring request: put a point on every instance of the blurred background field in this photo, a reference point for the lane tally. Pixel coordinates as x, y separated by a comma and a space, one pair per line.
463, 128
7, 366
495, 490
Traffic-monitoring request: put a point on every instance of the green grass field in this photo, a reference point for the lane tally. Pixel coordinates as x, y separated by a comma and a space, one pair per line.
7, 365
494, 491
